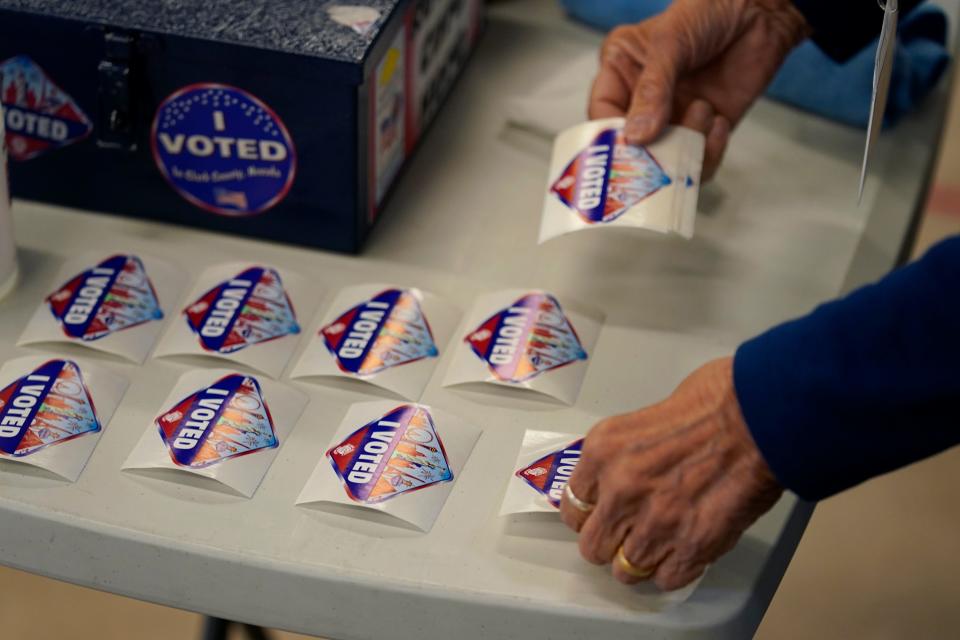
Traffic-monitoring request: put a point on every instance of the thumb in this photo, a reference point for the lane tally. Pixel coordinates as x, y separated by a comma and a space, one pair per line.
651, 102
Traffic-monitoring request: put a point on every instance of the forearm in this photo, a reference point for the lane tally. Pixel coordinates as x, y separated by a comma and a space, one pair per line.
843, 28
862, 385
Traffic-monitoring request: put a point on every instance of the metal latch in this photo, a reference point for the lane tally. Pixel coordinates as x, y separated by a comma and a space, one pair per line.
117, 122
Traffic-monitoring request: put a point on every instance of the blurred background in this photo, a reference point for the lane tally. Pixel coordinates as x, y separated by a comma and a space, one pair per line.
880, 561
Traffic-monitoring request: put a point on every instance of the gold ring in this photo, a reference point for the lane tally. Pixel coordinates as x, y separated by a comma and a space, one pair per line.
628, 567
575, 502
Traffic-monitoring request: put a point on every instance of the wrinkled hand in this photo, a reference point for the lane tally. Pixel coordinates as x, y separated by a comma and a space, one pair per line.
675, 484
701, 63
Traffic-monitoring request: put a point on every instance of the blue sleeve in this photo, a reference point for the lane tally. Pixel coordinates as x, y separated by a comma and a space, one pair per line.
842, 29
862, 385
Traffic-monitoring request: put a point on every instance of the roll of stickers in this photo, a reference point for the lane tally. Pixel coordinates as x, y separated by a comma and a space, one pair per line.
221, 425
8, 251
114, 303
597, 180
397, 459
53, 411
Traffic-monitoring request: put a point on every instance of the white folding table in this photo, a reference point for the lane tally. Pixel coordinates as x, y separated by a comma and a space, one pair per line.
778, 232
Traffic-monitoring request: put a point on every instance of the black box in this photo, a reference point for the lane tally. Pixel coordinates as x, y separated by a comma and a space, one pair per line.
279, 119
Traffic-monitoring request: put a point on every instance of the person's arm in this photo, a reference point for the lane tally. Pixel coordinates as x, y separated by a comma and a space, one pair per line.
862, 385
842, 29
858, 387
703, 63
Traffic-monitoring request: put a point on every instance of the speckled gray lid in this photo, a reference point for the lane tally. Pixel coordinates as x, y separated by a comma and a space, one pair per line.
305, 27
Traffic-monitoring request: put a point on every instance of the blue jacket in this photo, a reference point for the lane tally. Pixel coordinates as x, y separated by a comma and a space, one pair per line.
868, 383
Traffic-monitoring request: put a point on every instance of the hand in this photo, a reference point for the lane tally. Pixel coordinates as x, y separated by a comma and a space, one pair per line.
675, 484
701, 63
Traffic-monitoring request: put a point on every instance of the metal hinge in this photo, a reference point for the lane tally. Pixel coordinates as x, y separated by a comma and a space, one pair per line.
117, 122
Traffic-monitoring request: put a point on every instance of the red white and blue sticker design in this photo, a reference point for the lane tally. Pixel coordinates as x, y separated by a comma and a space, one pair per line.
395, 454
248, 309
114, 295
549, 475
527, 338
39, 115
45, 407
223, 149
223, 421
385, 331
609, 177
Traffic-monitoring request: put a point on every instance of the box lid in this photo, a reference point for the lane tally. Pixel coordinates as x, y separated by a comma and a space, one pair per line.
340, 30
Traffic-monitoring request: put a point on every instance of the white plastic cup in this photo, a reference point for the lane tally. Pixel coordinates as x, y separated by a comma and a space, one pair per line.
8, 250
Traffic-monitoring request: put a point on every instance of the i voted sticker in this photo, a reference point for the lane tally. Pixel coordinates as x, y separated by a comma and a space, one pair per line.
223, 149
225, 420
549, 475
39, 115
388, 330
115, 294
48, 406
248, 309
531, 336
395, 454
608, 177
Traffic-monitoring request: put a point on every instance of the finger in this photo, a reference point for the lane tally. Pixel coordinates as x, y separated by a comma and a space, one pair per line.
699, 116
651, 101
645, 561
572, 515
583, 480
609, 97
603, 533
716, 145
671, 575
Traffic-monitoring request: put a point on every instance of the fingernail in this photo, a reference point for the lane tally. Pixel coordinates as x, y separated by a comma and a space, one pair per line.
639, 127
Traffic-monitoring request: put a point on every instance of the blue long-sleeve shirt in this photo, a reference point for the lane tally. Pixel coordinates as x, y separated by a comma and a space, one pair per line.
862, 385
868, 383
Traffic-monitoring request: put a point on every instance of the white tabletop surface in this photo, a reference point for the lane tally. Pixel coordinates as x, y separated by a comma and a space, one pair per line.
778, 232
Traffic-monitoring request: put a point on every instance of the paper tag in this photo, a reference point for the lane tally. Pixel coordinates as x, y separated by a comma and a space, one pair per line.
113, 304
222, 425
597, 181
53, 411
526, 340
544, 465
385, 335
400, 459
244, 313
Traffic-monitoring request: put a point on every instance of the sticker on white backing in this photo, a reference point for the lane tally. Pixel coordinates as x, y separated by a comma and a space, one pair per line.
242, 312
54, 410
544, 465
399, 459
114, 303
222, 425
528, 340
598, 181
385, 335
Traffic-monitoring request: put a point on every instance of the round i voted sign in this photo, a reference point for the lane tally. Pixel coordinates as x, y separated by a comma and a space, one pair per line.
223, 149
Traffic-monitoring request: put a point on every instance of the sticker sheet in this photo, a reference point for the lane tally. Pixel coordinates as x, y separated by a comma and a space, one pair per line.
222, 425
545, 463
114, 303
385, 335
242, 312
526, 340
597, 180
53, 411
400, 459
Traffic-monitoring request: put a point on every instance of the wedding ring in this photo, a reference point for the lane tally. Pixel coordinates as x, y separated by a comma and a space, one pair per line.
576, 502
628, 567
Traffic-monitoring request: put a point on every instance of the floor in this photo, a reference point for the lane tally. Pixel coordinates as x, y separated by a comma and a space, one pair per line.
880, 561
